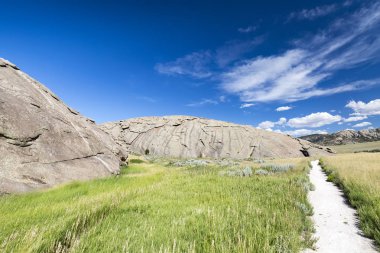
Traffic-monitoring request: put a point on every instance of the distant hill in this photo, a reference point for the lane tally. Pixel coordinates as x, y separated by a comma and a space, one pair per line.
344, 137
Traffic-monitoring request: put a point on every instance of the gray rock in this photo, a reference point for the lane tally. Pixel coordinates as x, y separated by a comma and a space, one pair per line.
44, 142
193, 137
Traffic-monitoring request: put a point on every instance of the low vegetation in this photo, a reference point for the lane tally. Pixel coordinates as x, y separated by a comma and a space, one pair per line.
359, 177
358, 147
152, 207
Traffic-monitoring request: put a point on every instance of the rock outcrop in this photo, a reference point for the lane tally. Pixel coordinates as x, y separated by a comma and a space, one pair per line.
43, 142
192, 137
344, 137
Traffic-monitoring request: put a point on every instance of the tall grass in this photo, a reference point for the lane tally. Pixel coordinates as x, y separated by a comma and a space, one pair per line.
162, 210
359, 177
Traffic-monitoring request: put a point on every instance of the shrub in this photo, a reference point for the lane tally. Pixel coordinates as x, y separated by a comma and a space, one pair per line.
261, 172
136, 161
246, 172
275, 168
190, 163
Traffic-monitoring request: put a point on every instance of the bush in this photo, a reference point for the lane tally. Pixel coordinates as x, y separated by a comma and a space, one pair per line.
246, 172
136, 161
275, 168
261, 172
190, 163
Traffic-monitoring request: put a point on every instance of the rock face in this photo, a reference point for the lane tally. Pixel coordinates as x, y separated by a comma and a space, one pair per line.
192, 137
344, 137
43, 142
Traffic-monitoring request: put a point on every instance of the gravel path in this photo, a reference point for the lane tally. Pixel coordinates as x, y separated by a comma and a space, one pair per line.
335, 222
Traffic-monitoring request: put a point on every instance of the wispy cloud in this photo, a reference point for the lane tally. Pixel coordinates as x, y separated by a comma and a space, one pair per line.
311, 14
247, 29
363, 124
234, 50
362, 108
203, 102
202, 64
195, 65
283, 108
296, 73
246, 105
355, 118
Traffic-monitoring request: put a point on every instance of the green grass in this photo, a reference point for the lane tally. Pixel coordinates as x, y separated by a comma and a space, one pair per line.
162, 209
357, 147
132, 169
358, 175
136, 160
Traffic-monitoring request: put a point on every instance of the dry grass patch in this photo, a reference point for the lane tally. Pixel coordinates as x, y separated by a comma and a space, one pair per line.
359, 176
357, 147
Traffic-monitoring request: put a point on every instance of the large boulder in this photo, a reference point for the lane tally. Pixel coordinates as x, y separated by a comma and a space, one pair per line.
192, 137
44, 142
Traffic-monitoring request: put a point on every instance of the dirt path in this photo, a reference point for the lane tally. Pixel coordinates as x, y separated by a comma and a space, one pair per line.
334, 221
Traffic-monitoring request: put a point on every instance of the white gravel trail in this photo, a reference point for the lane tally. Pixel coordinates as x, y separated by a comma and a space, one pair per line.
335, 221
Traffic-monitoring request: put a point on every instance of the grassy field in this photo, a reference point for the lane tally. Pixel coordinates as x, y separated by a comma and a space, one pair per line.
359, 176
357, 147
153, 207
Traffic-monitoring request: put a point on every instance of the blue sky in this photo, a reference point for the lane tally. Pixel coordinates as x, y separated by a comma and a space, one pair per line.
296, 67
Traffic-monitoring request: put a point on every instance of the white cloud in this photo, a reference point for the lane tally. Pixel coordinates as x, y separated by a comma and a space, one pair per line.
355, 118
246, 105
363, 124
313, 13
361, 108
281, 121
296, 73
301, 132
203, 102
283, 108
314, 120
267, 125
222, 99
247, 29
194, 65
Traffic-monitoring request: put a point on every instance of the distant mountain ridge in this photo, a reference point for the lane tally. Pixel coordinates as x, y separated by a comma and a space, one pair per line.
344, 137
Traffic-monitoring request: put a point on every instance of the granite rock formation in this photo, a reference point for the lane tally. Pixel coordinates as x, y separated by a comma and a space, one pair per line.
44, 142
193, 137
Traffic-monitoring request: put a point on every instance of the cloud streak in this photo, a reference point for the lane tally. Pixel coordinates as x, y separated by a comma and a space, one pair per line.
363, 124
311, 14
283, 108
194, 65
203, 102
297, 73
